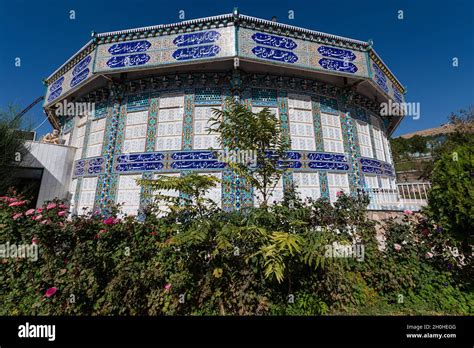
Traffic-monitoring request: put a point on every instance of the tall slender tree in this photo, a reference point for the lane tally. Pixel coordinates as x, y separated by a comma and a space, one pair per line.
259, 133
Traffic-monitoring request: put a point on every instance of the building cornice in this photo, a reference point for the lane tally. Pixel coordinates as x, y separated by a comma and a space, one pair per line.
202, 24
377, 60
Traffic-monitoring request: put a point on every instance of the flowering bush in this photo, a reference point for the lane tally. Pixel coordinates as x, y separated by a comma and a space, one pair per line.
265, 261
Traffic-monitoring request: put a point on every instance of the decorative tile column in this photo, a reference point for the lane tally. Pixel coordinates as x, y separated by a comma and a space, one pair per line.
318, 134
188, 121
228, 176
282, 99
145, 193
152, 123
107, 183
349, 131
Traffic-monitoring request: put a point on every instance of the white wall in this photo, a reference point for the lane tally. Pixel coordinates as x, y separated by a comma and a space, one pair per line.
57, 161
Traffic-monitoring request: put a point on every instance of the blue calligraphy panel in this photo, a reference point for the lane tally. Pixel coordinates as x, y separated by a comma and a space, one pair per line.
57, 84
79, 78
275, 54
131, 167
332, 52
131, 60
274, 41
337, 65
129, 47
328, 165
199, 155
198, 165
328, 157
197, 38
290, 164
140, 157
82, 65
55, 94
188, 53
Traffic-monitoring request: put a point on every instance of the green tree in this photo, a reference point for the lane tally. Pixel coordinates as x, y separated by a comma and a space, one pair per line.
260, 133
451, 198
192, 186
12, 147
417, 144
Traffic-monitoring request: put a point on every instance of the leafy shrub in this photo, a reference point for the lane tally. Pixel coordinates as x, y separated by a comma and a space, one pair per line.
451, 198
209, 262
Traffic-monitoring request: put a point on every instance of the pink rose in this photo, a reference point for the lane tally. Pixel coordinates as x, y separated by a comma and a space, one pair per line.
339, 193
50, 292
397, 247
17, 216
407, 212
38, 217
39, 210
168, 287
51, 205
29, 212
109, 221
62, 213
35, 240
62, 206
429, 255
44, 222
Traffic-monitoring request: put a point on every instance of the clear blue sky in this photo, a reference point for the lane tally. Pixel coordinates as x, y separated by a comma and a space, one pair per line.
418, 49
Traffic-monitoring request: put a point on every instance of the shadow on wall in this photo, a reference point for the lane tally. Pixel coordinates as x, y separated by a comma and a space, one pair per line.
56, 163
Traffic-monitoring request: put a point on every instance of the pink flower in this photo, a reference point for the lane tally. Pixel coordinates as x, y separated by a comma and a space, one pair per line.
17, 204
51, 205
39, 210
38, 217
29, 212
17, 216
62, 213
397, 247
339, 193
407, 212
35, 240
429, 255
109, 221
168, 287
44, 222
62, 206
50, 292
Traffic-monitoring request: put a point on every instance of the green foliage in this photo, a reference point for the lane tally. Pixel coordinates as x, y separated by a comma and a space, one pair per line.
240, 128
451, 198
266, 261
192, 188
12, 148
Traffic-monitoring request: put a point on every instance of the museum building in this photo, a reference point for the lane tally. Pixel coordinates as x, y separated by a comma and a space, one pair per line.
152, 91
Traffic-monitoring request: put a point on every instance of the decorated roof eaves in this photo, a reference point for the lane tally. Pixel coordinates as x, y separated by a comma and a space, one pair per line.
76, 57
196, 24
214, 21
380, 63
301, 33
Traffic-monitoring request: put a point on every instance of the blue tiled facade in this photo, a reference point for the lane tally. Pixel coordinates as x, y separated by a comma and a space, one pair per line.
204, 43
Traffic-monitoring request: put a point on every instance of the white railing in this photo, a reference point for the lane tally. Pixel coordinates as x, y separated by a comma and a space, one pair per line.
411, 196
383, 199
414, 192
